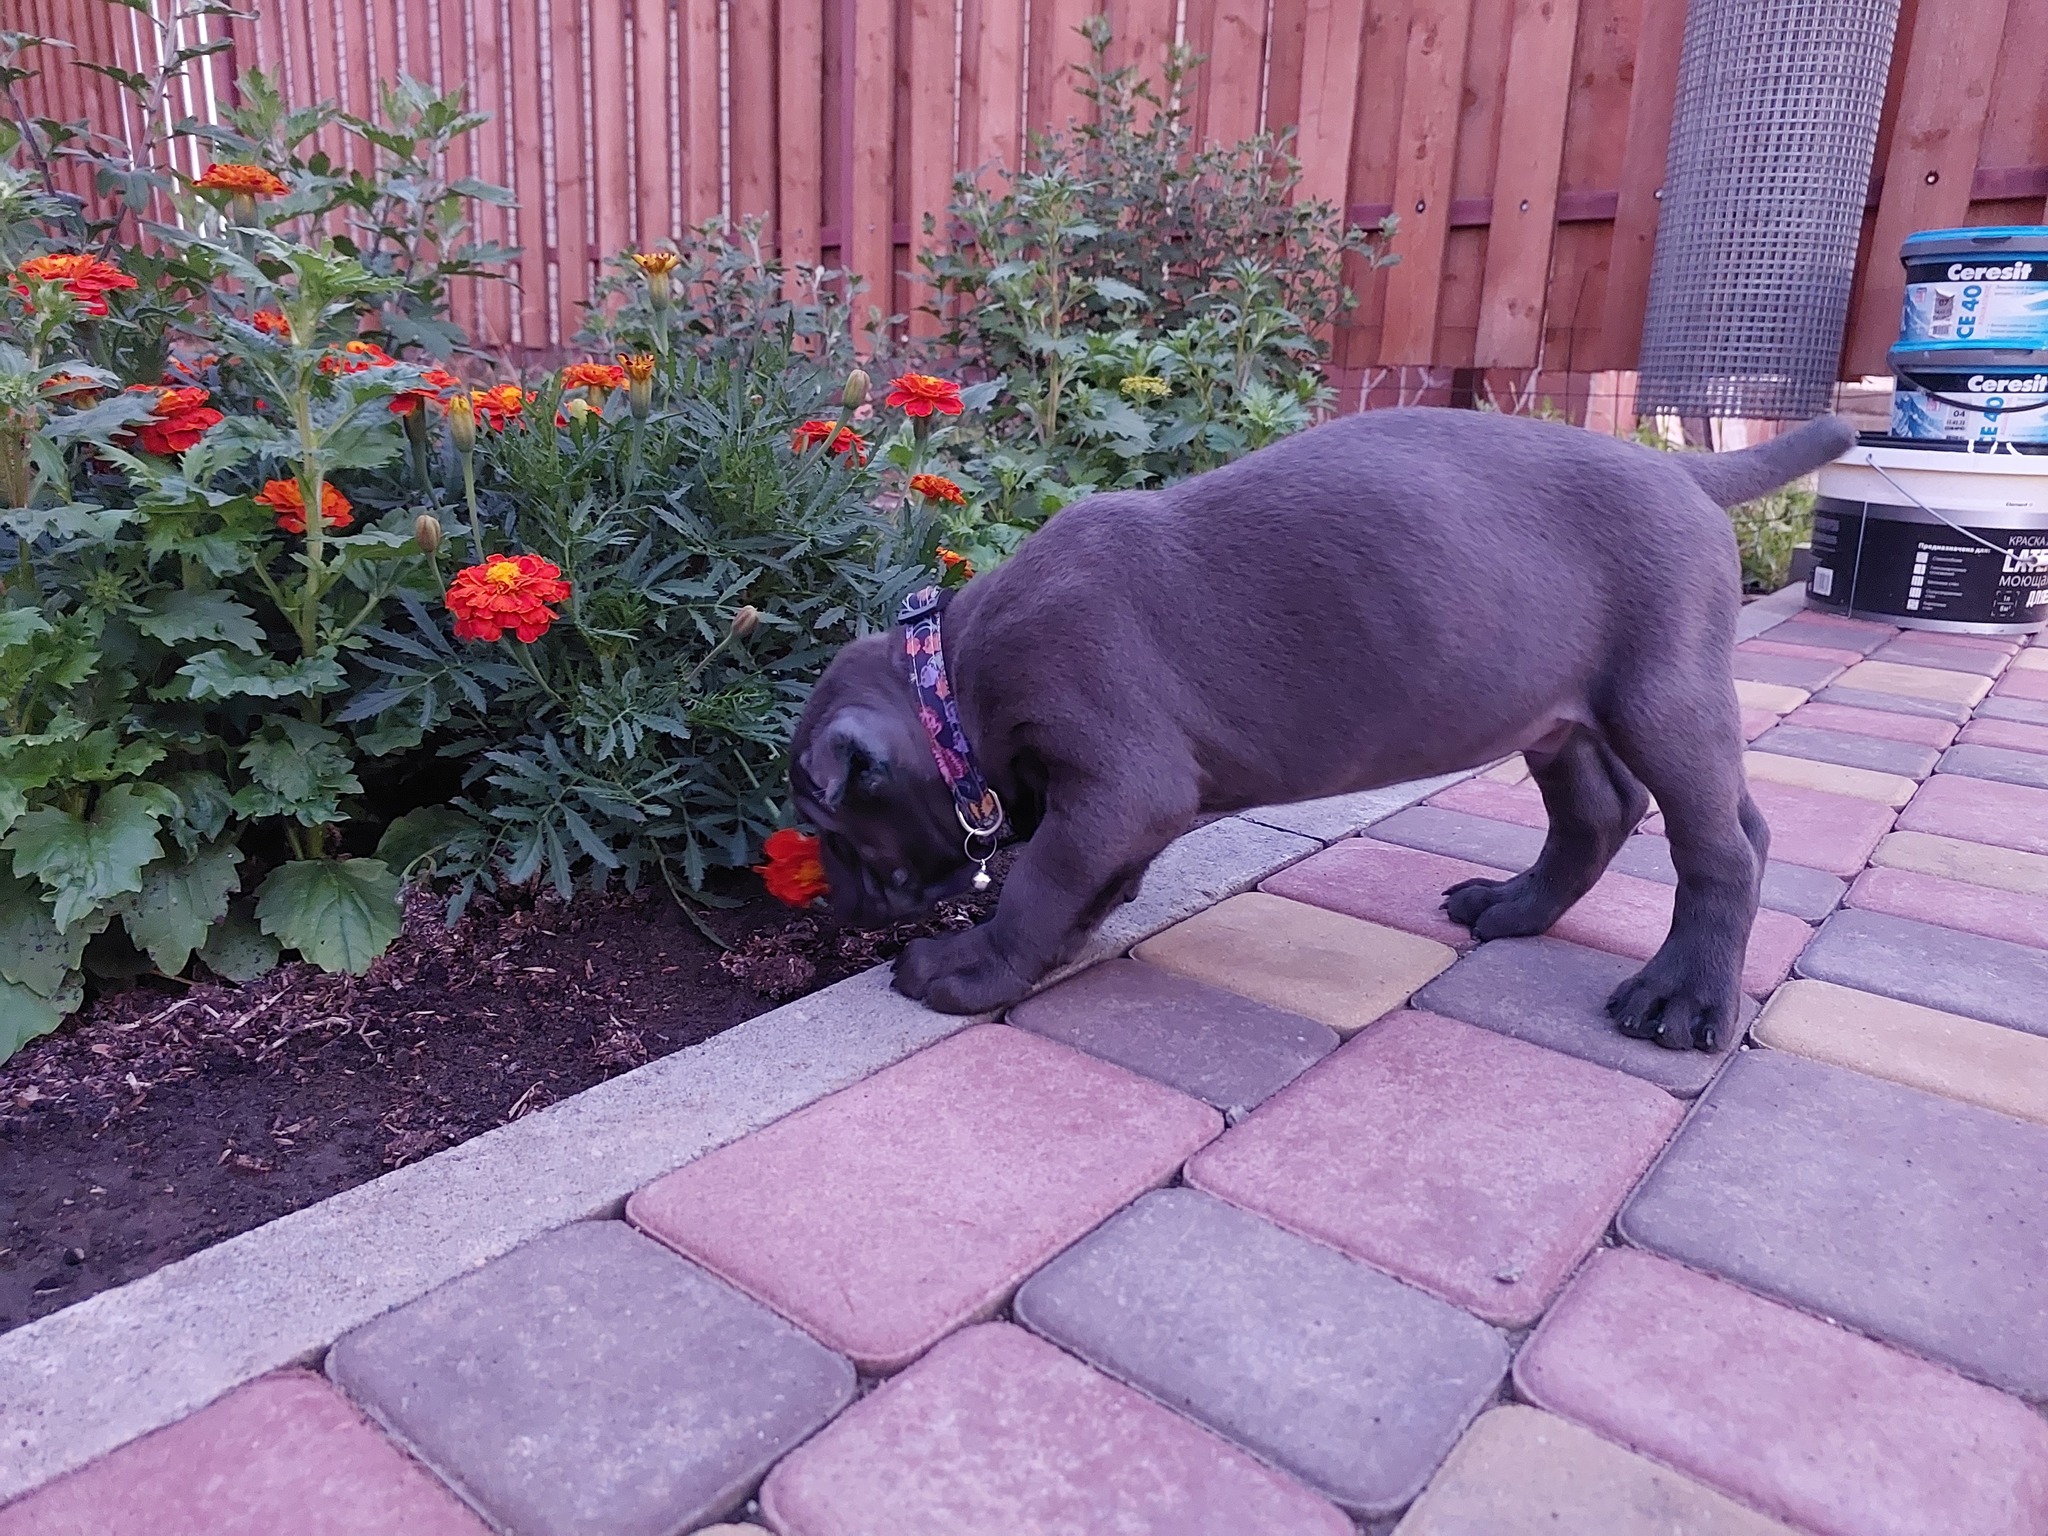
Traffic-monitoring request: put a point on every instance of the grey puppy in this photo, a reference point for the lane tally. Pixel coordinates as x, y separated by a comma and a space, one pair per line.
1389, 596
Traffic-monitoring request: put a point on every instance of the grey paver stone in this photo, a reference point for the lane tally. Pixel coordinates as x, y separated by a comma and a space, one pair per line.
1897, 703
1947, 658
1555, 994
1945, 968
1341, 815
593, 1381
1213, 1044
1523, 1472
1352, 1381
2027, 711
1804, 892
1904, 1215
1792, 671
1830, 635
2001, 763
1849, 749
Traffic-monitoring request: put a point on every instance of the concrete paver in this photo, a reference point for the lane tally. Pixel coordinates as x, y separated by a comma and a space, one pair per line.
1383, 883
1955, 858
2026, 711
1522, 1472
2001, 763
1805, 1421
286, 1453
1521, 803
1946, 1053
1827, 629
1832, 778
1920, 651
1904, 1215
995, 1431
1627, 916
2023, 683
1352, 1381
1210, 1043
2011, 735
1554, 994
1920, 730
1823, 831
1851, 749
1916, 682
1768, 644
2008, 915
895, 1211
1937, 967
593, 1381
1784, 664
1478, 1167
1895, 703
1320, 964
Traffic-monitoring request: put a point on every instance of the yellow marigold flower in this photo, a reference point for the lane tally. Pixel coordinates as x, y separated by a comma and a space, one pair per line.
651, 262
1145, 386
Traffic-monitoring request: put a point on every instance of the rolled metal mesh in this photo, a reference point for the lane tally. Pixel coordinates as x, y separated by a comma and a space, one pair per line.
1771, 144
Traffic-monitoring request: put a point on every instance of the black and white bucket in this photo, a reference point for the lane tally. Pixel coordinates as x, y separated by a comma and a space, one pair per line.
1933, 538
1970, 395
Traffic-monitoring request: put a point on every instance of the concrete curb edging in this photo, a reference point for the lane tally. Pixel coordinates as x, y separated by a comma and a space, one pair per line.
94, 1376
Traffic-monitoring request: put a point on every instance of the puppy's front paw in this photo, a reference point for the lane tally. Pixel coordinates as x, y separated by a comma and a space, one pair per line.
1679, 1013
958, 973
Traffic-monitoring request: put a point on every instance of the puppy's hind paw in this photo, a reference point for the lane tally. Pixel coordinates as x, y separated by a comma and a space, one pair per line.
1675, 1016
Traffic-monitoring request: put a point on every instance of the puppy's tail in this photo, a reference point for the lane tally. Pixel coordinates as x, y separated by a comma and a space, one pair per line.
1733, 478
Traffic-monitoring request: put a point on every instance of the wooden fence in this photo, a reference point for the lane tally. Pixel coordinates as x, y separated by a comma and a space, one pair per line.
1520, 142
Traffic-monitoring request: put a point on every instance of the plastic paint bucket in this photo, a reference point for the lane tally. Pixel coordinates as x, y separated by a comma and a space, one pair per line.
1970, 395
1977, 287
1933, 538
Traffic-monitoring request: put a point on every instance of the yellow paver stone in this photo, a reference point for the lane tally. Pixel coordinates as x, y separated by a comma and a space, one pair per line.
1945, 1053
1890, 789
1778, 698
1915, 682
1340, 970
2005, 869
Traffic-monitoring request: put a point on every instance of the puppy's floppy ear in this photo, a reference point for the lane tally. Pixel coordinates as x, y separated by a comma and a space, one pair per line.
849, 753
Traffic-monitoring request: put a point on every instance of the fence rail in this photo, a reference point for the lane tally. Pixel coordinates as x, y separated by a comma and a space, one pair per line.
1519, 142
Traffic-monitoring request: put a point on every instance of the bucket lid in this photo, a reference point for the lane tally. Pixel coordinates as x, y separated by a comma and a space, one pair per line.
1947, 355
1990, 240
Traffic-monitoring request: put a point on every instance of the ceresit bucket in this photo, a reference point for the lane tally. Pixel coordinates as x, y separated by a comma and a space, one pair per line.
1970, 395
1977, 287
1939, 537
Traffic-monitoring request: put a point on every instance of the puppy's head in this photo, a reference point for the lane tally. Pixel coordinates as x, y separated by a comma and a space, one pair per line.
862, 774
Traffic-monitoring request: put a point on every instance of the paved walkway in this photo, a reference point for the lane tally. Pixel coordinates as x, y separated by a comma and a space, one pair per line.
1313, 1217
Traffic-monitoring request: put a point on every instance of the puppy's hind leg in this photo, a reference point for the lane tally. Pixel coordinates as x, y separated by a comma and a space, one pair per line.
1680, 733
1594, 804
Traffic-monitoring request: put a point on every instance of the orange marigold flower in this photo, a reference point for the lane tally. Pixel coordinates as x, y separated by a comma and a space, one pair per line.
919, 394
63, 386
506, 592
179, 418
288, 501
953, 560
355, 356
271, 322
496, 406
596, 376
86, 278
247, 180
811, 433
938, 488
657, 263
638, 367
795, 872
434, 387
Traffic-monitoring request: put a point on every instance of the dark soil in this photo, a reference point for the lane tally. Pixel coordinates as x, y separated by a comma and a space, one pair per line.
169, 1116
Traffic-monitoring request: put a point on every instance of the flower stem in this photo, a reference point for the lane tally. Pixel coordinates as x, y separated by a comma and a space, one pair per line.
476, 525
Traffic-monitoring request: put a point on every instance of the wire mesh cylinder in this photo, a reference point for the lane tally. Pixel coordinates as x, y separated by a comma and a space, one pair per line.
1771, 144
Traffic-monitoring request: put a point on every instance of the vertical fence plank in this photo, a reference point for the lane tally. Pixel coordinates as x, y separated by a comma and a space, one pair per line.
654, 136
528, 175
1286, 59
754, 113
570, 193
929, 122
483, 49
800, 129
1525, 183
1333, 42
703, 140
1432, 87
1947, 91
1232, 33
1140, 33
1057, 50
612, 141
870, 234
1651, 98
991, 83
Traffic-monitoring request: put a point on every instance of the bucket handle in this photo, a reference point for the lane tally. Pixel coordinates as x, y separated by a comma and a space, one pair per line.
1870, 462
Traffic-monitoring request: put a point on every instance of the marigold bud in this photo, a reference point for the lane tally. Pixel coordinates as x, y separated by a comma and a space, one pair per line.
578, 411
856, 392
640, 397
462, 424
426, 532
746, 621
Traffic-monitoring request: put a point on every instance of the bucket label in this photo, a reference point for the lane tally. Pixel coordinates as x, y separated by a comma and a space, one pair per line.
1968, 299
1908, 570
1983, 406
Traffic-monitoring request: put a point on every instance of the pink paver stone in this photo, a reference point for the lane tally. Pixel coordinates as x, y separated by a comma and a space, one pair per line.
1796, 1417
285, 1453
1520, 803
2022, 684
2013, 735
1811, 827
1980, 811
1478, 1167
996, 1433
1920, 730
885, 1216
1627, 916
1769, 647
1981, 909
1756, 721
1382, 883
1936, 637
